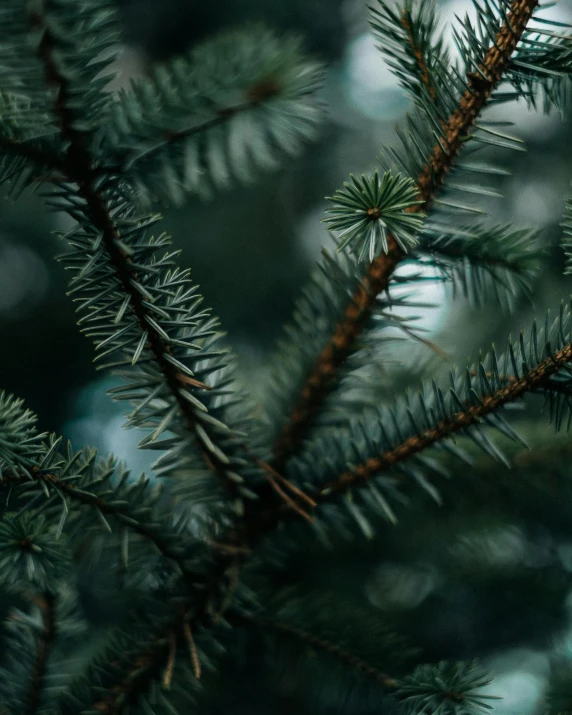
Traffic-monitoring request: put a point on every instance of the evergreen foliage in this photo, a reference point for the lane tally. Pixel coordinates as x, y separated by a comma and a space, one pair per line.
191, 570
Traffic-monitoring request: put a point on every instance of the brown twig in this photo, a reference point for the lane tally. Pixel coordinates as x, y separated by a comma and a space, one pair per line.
292, 487
153, 659
418, 54
343, 343
192, 650
170, 667
320, 644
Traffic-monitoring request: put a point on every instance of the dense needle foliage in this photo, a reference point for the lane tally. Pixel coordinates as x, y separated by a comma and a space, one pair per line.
129, 594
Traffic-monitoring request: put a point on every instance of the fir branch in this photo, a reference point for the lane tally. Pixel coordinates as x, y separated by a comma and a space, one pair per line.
119, 511
28, 464
317, 644
231, 106
342, 344
409, 39
143, 653
447, 688
471, 413
174, 136
31, 553
500, 258
417, 52
45, 640
134, 670
82, 170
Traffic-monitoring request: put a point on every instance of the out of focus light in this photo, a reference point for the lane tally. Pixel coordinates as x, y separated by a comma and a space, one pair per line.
520, 690
520, 680
371, 87
536, 203
400, 587
98, 422
24, 279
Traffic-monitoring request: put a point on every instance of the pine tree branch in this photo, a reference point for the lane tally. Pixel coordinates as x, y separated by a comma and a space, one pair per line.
318, 644
137, 668
473, 413
343, 342
172, 137
417, 52
230, 107
82, 171
119, 512
46, 604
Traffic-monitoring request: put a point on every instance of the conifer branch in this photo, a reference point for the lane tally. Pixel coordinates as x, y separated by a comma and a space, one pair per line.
135, 670
514, 388
82, 171
455, 130
194, 124
223, 114
150, 656
417, 52
45, 640
117, 511
319, 644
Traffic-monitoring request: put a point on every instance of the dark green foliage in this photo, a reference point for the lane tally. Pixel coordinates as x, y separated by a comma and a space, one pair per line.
233, 106
130, 597
31, 552
446, 689
409, 36
369, 208
484, 262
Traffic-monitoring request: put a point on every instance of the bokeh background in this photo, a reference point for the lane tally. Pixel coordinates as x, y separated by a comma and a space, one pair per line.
251, 250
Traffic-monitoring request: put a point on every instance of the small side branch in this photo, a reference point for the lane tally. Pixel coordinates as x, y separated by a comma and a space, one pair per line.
417, 52
471, 415
153, 658
319, 644
223, 114
117, 511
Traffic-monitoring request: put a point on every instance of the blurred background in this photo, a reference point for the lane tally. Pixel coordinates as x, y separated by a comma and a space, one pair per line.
263, 241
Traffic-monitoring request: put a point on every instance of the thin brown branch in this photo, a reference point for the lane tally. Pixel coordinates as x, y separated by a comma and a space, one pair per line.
46, 604
472, 414
81, 169
418, 54
168, 675
288, 500
292, 487
223, 114
268, 520
319, 644
151, 660
343, 342
192, 650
